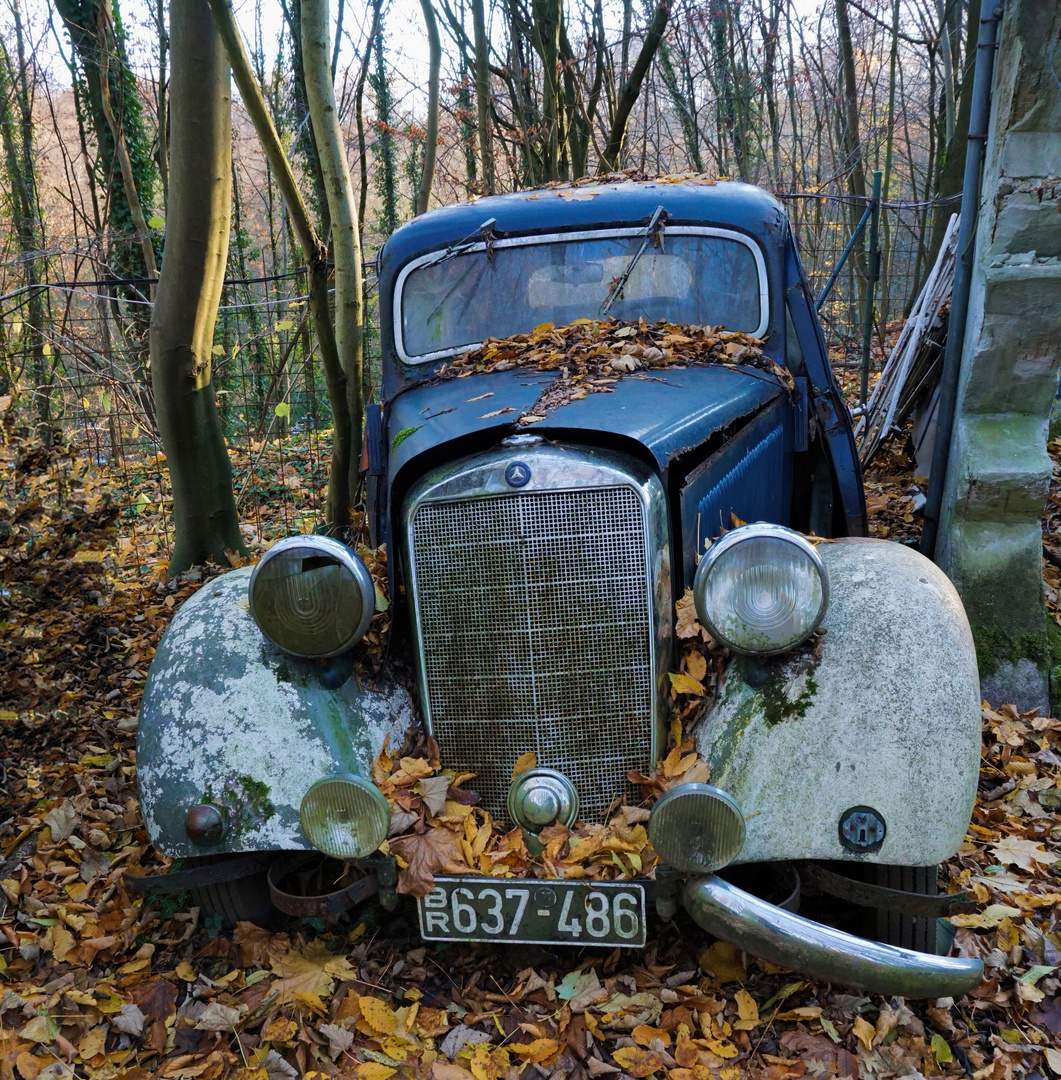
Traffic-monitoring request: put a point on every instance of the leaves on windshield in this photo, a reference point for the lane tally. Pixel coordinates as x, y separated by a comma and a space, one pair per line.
592, 356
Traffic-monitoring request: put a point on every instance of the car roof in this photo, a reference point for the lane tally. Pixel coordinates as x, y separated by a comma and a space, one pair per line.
724, 203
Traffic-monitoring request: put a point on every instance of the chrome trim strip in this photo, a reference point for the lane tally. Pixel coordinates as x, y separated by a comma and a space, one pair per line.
805, 946
558, 238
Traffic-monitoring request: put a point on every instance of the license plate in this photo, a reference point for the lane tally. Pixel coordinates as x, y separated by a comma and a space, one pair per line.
534, 912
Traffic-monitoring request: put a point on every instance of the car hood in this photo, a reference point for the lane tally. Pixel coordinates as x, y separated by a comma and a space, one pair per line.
666, 411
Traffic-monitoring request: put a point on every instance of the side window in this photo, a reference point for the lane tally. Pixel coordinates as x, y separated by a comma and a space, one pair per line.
793, 352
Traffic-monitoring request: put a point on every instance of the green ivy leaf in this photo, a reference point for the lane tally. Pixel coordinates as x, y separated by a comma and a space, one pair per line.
830, 1029
1035, 973
941, 1049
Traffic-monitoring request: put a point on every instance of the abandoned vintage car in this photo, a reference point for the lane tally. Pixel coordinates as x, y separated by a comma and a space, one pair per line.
535, 566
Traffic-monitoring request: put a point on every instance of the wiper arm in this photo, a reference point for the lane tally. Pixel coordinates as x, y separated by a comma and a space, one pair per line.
485, 233
653, 236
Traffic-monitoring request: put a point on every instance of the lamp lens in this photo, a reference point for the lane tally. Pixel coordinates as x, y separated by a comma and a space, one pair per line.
346, 817
310, 599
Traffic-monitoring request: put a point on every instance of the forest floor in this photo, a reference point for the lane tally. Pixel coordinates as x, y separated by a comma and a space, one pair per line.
99, 984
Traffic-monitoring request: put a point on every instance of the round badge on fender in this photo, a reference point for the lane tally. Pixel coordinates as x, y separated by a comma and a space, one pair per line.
517, 474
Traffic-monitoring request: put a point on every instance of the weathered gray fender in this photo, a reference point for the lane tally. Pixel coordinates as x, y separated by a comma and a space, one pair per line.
887, 718
230, 719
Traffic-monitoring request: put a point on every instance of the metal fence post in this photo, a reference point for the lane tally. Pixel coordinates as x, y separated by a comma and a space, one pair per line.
873, 271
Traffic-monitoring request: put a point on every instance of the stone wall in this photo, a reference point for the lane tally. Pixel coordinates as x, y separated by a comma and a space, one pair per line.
990, 542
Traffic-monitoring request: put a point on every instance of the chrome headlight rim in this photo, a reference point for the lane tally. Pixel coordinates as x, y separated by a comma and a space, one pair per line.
744, 533
377, 806
327, 547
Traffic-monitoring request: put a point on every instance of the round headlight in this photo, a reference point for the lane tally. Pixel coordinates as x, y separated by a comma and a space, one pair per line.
761, 589
312, 596
696, 828
345, 816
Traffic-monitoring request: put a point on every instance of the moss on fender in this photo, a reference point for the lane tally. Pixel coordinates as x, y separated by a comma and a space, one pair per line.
244, 804
778, 706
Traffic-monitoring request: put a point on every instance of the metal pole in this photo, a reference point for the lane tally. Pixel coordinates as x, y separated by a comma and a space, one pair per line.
979, 119
873, 271
843, 258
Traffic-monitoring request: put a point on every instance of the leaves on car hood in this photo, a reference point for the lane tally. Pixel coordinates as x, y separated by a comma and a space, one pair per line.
590, 357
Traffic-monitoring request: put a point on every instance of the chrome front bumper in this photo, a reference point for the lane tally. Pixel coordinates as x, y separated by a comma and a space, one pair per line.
802, 945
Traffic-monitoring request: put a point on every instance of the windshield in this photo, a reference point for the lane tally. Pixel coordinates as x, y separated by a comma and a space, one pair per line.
449, 305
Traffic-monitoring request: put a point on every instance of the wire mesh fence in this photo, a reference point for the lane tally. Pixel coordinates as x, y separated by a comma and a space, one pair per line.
84, 373
823, 226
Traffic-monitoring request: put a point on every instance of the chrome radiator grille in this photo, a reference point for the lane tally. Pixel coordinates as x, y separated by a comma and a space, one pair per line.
534, 618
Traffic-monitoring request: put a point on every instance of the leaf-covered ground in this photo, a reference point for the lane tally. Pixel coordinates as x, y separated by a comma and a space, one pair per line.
97, 984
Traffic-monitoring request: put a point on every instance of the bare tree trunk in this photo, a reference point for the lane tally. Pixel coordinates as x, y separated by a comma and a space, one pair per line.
852, 142
189, 291
359, 117
953, 171
632, 87
771, 41
163, 137
889, 154
427, 178
628, 21
482, 98
346, 240
340, 493
548, 15
121, 148
16, 136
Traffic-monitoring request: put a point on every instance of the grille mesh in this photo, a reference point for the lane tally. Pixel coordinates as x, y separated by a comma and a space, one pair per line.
535, 623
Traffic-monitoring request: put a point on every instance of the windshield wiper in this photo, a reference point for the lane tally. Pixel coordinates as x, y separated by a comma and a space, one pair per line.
653, 236
485, 234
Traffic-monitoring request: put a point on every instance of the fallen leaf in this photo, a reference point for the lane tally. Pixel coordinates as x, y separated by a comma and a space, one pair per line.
1017, 851
459, 1037
61, 821
436, 851
312, 971
339, 1039
131, 1020
215, 1017
444, 1070
987, 919
864, 1032
539, 1050
638, 1062
746, 1007
723, 962
378, 1016
41, 1029
528, 760
686, 684
433, 791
